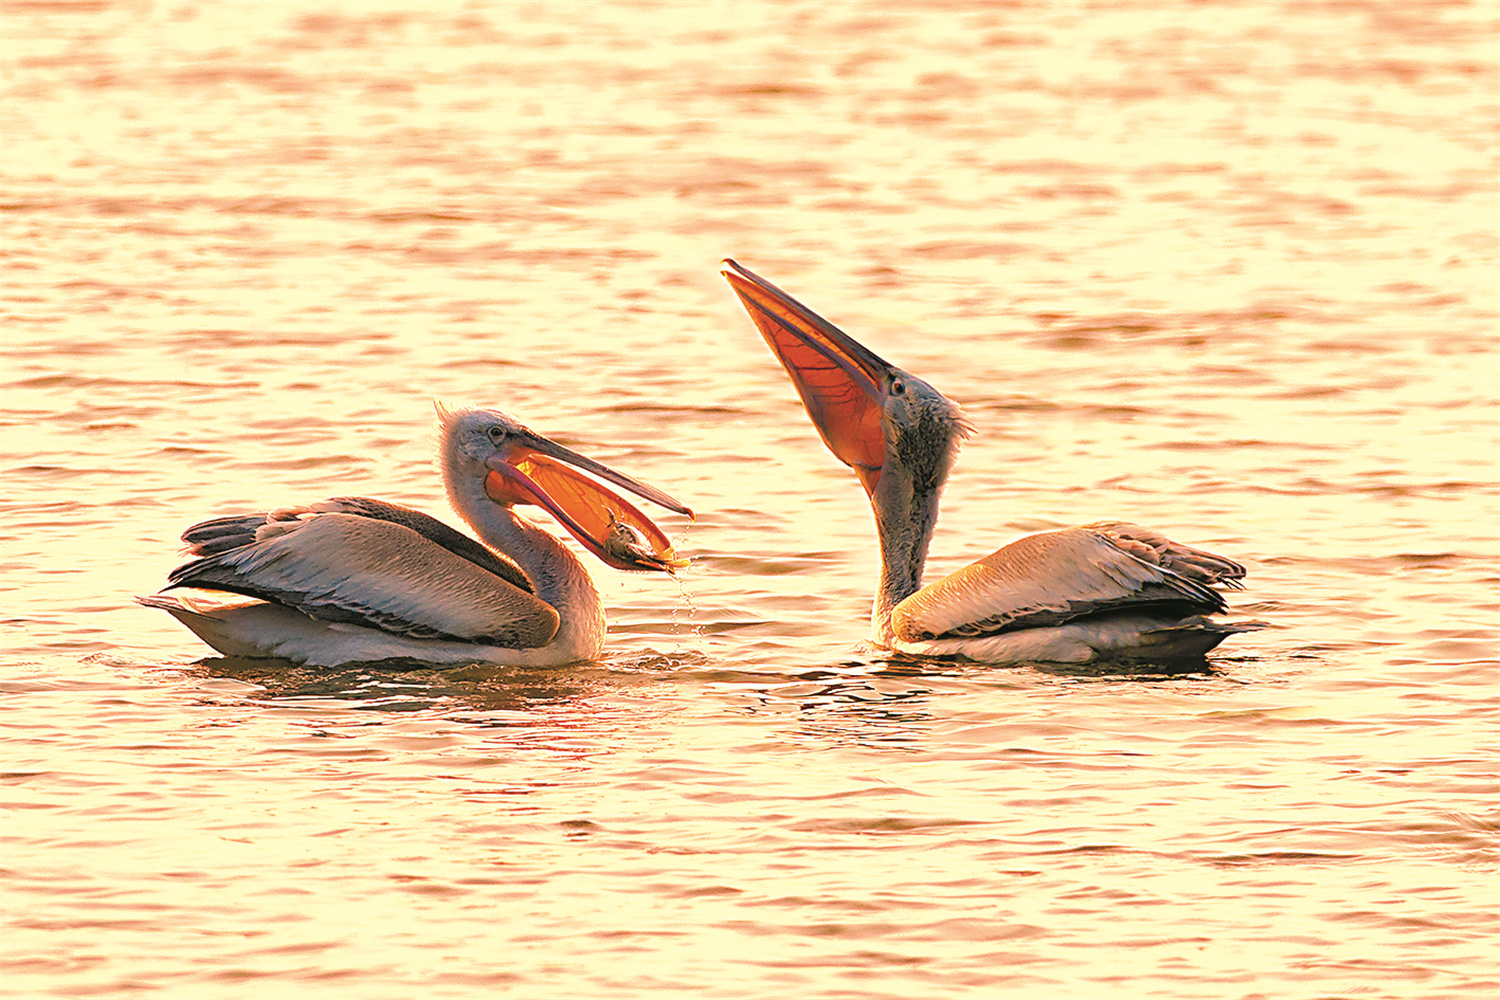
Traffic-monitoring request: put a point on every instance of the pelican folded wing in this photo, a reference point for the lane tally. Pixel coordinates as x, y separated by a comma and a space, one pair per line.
1156, 548
377, 572
1045, 579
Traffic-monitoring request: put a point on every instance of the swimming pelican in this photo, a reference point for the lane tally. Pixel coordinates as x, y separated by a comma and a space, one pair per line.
1111, 591
354, 579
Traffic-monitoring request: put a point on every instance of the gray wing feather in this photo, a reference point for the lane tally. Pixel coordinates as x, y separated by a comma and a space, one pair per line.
365, 570
1056, 577
221, 534
1154, 547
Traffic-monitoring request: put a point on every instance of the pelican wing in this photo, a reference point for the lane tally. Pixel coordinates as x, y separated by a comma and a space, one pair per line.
367, 568
1158, 549
223, 533
1049, 579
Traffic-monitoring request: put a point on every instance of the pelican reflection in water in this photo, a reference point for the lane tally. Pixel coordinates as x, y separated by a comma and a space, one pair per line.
353, 579
1111, 591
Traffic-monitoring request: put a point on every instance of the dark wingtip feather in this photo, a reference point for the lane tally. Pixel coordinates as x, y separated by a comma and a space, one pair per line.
221, 534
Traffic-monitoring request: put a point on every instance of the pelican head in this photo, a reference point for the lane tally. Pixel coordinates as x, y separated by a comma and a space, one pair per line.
898, 433
492, 451
881, 421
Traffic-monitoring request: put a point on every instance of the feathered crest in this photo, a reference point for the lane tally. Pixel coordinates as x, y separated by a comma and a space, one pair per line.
961, 422
449, 412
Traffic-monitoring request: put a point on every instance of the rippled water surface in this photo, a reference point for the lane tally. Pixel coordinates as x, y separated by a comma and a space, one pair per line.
1227, 270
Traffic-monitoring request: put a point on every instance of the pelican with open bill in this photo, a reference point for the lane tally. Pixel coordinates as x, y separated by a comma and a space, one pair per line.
1107, 592
355, 580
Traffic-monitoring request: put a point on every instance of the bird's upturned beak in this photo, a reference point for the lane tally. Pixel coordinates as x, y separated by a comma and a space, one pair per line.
843, 384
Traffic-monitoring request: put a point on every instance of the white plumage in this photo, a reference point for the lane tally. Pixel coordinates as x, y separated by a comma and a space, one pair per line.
1112, 591
355, 579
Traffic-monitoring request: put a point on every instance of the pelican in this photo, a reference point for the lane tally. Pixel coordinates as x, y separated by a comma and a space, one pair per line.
354, 579
1107, 592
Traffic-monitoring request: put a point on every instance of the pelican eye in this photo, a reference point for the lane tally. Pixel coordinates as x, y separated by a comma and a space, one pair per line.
898, 388
497, 434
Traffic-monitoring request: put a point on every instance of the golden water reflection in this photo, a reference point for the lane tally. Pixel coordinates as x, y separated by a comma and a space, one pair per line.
1225, 270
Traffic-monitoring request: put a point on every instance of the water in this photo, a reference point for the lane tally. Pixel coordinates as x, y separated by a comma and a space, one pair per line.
1228, 270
